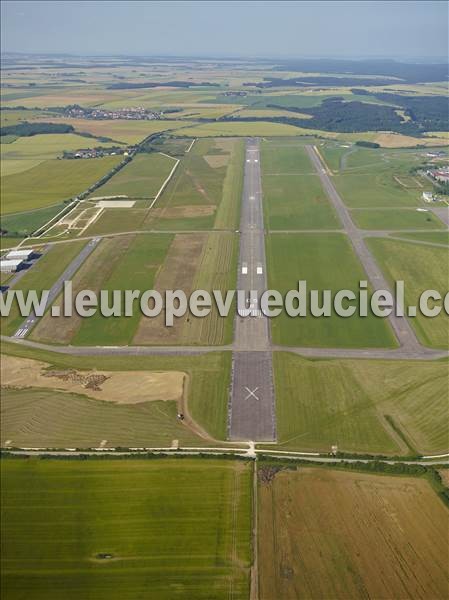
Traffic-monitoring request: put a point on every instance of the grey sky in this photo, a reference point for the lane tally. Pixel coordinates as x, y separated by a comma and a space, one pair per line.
353, 29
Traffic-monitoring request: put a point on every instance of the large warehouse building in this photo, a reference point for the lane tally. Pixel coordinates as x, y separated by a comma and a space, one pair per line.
9, 265
19, 254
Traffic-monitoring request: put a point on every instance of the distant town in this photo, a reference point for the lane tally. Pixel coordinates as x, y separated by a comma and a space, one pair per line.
138, 113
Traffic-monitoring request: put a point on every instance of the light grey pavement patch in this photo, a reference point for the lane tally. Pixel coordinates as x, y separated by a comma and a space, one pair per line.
251, 404
442, 212
401, 327
252, 413
56, 288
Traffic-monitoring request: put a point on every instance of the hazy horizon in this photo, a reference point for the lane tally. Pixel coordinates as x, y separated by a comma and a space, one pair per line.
346, 30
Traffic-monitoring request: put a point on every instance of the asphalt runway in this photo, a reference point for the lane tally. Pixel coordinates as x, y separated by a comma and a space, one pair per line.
252, 406
56, 288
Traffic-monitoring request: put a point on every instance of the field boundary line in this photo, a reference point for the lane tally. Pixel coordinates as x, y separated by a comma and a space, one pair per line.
254, 578
92, 220
164, 185
190, 147
168, 156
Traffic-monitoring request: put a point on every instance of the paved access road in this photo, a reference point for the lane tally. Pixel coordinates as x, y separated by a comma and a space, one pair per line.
401, 327
56, 288
369, 353
252, 408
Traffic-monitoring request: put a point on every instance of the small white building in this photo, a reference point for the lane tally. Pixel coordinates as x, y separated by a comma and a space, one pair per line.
427, 196
19, 254
9, 266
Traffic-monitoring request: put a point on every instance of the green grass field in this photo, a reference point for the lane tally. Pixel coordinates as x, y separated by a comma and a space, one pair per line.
228, 212
373, 190
41, 277
174, 529
278, 158
8, 242
141, 178
51, 182
437, 237
25, 223
395, 219
117, 220
293, 195
135, 270
345, 402
217, 271
379, 178
335, 153
297, 202
326, 262
421, 268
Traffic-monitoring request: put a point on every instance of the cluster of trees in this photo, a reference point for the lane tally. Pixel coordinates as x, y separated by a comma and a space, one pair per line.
430, 113
367, 144
409, 72
334, 114
27, 129
306, 81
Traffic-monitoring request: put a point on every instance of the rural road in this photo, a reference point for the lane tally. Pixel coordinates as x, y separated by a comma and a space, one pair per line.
252, 407
56, 288
401, 327
250, 452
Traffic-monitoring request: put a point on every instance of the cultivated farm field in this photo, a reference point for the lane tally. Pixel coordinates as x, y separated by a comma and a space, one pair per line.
51, 182
124, 527
208, 377
205, 187
334, 534
119, 130
135, 268
141, 178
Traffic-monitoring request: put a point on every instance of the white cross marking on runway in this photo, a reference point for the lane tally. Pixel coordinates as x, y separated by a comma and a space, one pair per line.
251, 393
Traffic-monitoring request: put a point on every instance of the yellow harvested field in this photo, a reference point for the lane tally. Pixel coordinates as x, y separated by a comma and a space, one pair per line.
120, 130
397, 140
121, 387
260, 113
444, 474
216, 160
347, 535
11, 166
69, 96
259, 128
185, 212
